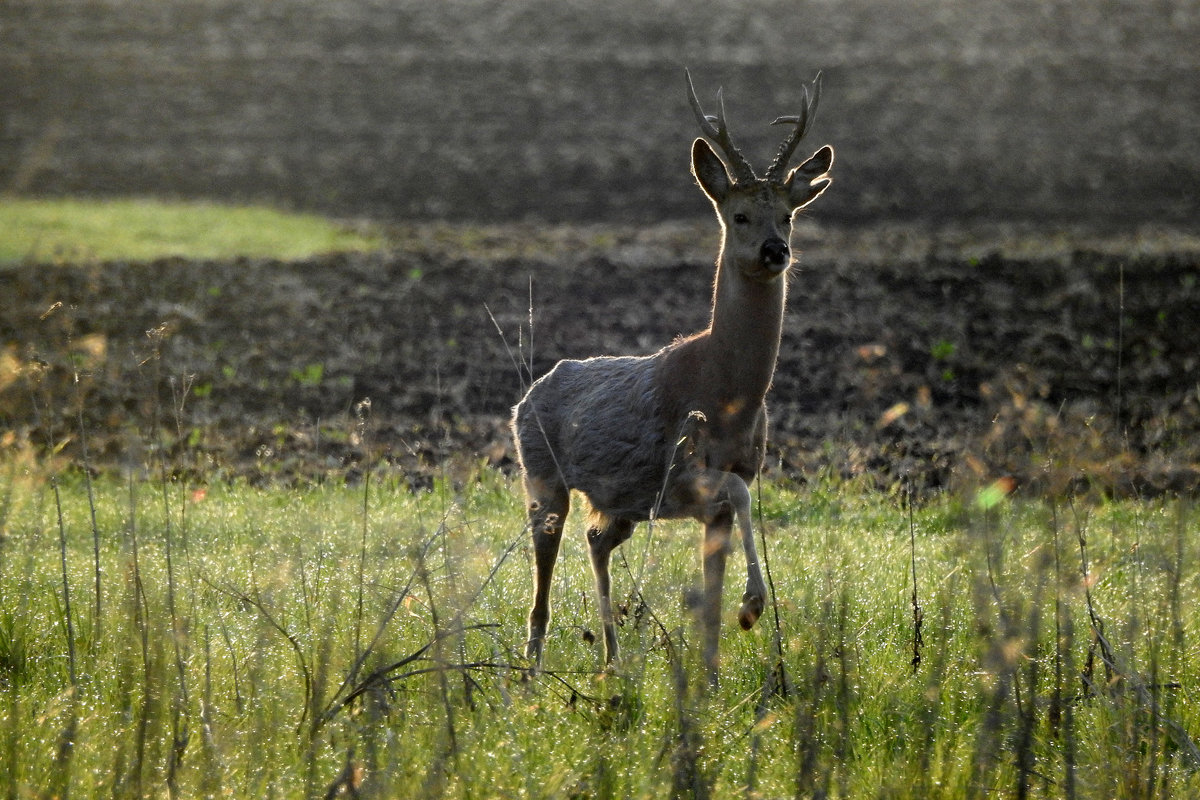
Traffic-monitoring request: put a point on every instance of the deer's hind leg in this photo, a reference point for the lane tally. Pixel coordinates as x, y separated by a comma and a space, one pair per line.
604, 535
548, 504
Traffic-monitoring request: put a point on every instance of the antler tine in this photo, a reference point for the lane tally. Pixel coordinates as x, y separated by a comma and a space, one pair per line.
802, 122
715, 128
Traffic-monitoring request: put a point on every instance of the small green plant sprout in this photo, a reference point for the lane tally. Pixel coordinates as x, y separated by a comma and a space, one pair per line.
309, 375
943, 350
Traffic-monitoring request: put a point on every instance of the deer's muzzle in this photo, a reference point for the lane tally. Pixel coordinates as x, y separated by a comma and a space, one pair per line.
774, 254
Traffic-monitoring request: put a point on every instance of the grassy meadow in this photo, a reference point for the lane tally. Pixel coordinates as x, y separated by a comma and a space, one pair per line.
172, 637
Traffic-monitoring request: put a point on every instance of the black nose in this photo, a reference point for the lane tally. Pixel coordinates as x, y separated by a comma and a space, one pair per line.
774, 253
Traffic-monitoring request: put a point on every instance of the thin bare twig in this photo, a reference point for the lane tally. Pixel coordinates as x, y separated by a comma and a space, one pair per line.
917, 613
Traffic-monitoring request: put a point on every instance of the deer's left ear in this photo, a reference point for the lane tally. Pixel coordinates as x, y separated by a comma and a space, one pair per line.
806, 182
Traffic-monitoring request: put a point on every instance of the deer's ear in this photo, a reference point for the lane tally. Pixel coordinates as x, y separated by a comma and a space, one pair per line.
710, 171
806, 182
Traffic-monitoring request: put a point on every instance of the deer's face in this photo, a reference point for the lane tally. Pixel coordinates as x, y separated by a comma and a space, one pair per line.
756, 215
757, 222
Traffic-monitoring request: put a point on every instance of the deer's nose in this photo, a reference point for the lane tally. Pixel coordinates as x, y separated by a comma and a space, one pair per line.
774, 254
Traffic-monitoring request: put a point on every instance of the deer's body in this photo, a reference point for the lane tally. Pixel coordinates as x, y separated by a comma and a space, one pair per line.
679, 433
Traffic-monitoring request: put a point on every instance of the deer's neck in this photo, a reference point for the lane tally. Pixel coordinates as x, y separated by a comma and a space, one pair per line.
743, 337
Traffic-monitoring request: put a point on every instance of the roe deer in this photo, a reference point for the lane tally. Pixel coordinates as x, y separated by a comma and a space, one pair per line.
679, 433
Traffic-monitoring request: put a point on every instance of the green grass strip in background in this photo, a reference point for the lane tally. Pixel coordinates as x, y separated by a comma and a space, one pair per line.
141, 230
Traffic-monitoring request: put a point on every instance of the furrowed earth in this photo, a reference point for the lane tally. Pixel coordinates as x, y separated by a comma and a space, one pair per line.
915, 360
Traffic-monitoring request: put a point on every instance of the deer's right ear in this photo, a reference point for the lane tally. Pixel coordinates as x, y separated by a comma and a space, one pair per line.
710, 171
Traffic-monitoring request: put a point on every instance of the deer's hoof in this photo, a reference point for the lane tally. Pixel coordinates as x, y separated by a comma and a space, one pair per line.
533, 652
752, 608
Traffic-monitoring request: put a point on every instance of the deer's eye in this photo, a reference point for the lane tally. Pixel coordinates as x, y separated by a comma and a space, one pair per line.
740, 219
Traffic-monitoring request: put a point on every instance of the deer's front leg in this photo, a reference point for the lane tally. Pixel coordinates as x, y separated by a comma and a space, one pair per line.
603, 538
755, 598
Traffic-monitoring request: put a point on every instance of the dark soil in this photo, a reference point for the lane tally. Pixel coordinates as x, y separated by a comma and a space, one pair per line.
923, 361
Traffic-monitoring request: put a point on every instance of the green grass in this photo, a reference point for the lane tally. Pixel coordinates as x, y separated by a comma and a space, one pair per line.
141, 230
231, 620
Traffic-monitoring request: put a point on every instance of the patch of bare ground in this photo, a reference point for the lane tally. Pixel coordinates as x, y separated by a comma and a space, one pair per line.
912, 357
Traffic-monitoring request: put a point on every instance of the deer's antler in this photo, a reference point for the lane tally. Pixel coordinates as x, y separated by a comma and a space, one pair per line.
802, 122
716, 129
